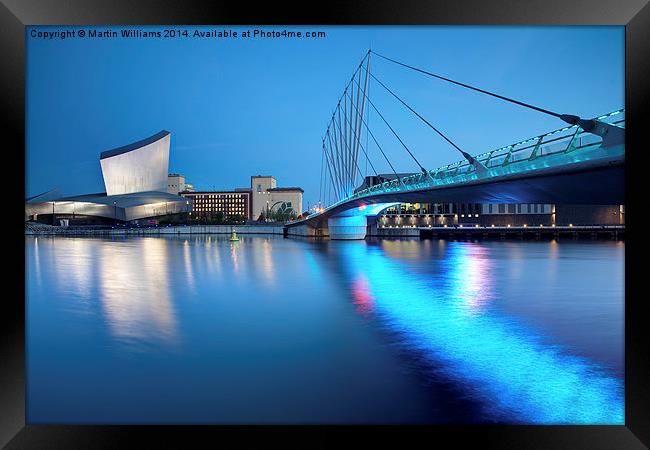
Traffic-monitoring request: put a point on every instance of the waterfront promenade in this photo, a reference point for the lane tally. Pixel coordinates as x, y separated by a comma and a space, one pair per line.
450, 232
40, 229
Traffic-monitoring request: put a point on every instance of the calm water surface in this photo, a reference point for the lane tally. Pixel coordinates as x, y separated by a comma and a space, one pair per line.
271, 330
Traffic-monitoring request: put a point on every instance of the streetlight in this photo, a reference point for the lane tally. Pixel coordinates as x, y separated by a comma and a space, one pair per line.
52, 213
115, 212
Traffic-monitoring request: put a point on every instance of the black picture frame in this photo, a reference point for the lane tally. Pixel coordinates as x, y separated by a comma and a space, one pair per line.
16, 14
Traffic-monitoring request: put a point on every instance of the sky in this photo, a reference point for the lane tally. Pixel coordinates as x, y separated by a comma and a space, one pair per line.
238, 107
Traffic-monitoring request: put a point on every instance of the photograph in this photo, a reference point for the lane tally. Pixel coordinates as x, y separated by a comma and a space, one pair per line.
325, 225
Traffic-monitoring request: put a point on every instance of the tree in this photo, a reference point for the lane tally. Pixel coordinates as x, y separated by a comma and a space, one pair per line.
283, 213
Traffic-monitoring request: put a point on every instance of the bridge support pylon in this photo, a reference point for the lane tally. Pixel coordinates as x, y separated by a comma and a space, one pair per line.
347, 228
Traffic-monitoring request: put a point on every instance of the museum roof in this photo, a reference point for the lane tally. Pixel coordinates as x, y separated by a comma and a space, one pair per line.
121, 200
134, 145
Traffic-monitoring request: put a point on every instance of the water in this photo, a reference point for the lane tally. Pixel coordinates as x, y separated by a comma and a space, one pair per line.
270, 330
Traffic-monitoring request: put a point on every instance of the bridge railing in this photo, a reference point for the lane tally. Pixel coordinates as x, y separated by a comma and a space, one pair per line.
563, 140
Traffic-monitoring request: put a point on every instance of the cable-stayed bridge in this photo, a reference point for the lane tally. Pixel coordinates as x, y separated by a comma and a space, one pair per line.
580, 163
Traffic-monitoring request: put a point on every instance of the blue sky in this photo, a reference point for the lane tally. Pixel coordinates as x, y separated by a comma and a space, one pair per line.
238, 107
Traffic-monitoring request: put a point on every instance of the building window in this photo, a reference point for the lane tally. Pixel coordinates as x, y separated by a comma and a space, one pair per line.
502, 208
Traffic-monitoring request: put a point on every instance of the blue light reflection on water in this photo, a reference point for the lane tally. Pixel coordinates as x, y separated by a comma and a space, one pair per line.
518, 375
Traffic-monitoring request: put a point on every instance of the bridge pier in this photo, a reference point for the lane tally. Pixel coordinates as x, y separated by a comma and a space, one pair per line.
348, 228
305, 230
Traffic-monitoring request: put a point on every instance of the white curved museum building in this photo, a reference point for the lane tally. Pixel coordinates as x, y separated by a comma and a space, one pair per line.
135, 179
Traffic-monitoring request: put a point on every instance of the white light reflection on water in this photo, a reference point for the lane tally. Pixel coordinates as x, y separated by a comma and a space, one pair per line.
135, 293
470, 277
187, 261
267, 262
37, 263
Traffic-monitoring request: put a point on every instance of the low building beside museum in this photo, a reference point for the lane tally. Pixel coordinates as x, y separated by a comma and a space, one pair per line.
176, 183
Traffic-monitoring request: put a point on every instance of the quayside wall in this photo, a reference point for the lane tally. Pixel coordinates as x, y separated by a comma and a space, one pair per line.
156, 231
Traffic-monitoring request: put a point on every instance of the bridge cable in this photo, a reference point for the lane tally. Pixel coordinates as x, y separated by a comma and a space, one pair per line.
343, 151
465, 154
329, 170
346, 159
349, 163
381, 149
340, 170
367, 157
357, 124
332, 186
396, 135
320, 179
334, 175
339, 151
517, 102
337, 168
348, 146
367, 55
365, 93
345, 171
334, 167
364, 151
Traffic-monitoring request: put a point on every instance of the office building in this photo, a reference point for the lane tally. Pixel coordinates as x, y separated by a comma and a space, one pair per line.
232, 204
268, 198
